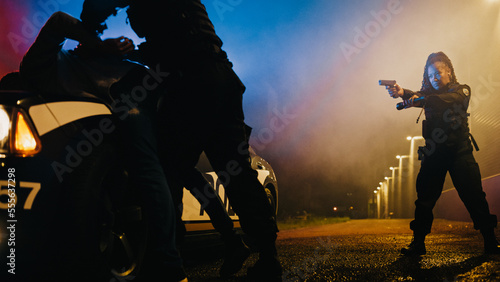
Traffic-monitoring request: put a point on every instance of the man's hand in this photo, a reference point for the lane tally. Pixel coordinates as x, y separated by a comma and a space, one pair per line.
109, 47
395, 91
117, 46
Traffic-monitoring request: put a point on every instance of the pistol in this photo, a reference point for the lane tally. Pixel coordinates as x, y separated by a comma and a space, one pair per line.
387, 82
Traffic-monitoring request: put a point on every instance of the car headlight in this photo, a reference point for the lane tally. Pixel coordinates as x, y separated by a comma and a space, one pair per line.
4, 130
17, 134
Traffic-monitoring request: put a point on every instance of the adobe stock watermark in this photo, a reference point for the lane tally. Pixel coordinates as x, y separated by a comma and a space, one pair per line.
210, 194
310, 264
206, 195
280, 120
30, 27
364, 36
456, 115
223, 6
122, 108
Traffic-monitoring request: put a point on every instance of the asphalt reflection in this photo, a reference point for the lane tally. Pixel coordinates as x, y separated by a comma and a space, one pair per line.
367, 250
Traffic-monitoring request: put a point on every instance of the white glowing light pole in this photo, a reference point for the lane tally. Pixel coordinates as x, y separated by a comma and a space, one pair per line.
378, 191
374, 195
393, 192
399, 189
412, 191
386, 197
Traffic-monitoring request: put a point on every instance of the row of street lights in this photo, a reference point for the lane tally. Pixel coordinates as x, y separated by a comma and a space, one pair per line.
390, 200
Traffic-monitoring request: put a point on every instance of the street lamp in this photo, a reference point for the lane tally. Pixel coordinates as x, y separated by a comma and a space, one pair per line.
386, 197
412, 192
392, 197
372, 208
399, 190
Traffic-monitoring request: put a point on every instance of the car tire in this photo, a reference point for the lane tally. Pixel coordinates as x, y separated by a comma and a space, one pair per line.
103, 220
124, 238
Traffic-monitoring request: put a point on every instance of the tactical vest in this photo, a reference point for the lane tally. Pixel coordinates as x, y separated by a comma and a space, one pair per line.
448, 116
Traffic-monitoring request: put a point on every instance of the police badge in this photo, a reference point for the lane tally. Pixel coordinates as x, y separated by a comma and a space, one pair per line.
466, 92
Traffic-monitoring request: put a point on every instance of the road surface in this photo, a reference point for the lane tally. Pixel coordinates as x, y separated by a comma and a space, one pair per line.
368, 250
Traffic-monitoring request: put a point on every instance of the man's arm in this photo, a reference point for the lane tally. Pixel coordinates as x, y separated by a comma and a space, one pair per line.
59, 27
39, 64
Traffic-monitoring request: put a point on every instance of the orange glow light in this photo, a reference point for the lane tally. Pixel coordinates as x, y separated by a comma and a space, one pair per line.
25, 141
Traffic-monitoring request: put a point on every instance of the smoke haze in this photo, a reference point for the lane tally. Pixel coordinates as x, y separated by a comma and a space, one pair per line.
312, 68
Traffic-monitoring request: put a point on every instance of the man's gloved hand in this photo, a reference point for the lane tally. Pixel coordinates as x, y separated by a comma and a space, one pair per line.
109, 47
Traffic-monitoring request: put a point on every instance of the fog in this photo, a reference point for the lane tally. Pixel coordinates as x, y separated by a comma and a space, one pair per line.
312, 68
343, 131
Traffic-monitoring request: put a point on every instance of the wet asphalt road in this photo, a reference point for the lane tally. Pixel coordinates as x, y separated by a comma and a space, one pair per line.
367, 250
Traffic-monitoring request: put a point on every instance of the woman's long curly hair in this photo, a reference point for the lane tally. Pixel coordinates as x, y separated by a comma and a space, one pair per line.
437, 57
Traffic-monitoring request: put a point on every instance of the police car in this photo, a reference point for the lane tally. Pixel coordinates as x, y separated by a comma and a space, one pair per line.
61, 153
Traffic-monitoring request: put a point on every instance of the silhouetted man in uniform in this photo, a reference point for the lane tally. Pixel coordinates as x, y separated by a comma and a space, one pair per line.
201, 111
91, 70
